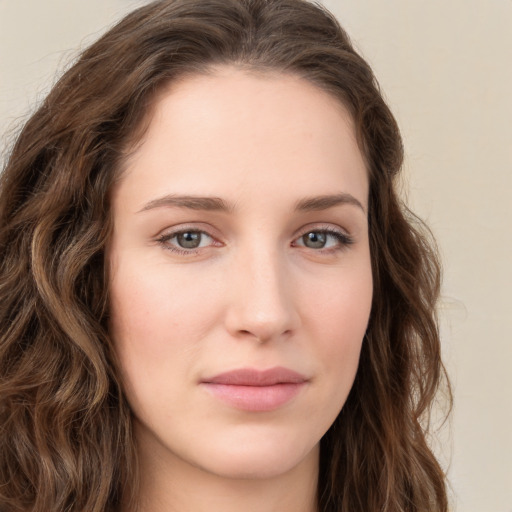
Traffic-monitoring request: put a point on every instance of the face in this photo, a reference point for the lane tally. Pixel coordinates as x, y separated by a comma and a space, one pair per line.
240, 272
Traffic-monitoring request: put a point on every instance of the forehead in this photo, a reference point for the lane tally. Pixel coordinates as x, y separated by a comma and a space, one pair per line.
212, 132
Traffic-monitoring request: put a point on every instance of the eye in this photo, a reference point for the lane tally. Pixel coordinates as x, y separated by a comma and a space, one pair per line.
186, 241
189, 239
324, 239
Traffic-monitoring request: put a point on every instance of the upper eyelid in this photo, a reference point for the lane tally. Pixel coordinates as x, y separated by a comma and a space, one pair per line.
173, 234
329, 231
182, 228
214, 233
343, 237
322, 226
167, 236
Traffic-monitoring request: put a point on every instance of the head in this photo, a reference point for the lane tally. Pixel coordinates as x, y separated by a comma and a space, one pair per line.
62, 379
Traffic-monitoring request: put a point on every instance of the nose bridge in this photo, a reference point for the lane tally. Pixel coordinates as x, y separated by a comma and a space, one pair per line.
262, 305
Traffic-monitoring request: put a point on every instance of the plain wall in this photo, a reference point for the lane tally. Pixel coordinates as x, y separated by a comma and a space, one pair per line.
445, 67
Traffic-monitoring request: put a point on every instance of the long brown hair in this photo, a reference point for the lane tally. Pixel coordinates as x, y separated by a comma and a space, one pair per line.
65, 429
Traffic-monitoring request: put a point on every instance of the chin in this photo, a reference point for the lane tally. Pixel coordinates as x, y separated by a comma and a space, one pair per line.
260, 460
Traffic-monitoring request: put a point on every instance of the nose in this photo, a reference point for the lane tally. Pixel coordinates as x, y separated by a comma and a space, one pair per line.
262, 305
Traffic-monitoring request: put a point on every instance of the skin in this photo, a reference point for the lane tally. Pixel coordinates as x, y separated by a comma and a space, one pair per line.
256, 292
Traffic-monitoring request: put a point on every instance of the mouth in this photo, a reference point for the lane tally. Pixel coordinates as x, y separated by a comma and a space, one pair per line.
255, 390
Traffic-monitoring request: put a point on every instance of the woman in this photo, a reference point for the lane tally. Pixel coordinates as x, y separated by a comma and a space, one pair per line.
212, 297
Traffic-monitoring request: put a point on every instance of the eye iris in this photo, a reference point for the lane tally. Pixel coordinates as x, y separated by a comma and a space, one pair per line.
315, 240
189, 239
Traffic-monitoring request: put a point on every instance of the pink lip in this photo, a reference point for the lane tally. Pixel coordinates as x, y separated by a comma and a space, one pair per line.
254, 390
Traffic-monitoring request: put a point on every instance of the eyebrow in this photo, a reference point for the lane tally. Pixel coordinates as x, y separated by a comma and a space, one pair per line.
318, 203
308, 204
190, 202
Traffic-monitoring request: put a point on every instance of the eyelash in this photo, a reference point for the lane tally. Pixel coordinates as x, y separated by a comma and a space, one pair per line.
344, 240
164, 240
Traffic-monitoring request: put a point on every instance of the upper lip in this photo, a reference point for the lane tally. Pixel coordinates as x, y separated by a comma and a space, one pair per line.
255, 377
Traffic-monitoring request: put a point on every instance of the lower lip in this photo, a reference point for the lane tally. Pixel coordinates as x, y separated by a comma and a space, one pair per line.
255, 398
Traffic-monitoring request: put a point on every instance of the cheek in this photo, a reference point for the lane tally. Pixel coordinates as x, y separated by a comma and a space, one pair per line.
339, 324
153, 306
340, 305
155, 325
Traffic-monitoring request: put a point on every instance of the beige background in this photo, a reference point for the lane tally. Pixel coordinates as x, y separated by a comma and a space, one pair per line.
446, 68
